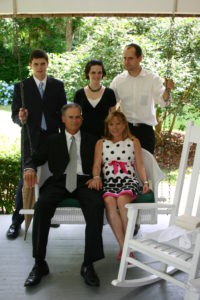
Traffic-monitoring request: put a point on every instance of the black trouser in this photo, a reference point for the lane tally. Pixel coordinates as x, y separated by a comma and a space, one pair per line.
17, 219
92, 205
145, 134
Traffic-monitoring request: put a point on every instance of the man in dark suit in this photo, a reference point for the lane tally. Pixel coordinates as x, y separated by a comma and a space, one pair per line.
70, 159
44, 97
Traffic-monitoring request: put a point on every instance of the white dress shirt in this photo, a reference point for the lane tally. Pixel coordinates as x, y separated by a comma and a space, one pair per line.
138, 95
77, 137
37, 81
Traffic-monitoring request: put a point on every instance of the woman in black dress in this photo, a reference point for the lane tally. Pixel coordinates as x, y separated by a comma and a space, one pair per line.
95, 99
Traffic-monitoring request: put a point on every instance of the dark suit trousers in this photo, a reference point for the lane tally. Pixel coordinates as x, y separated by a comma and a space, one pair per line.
145, 135
51, 193
18, 219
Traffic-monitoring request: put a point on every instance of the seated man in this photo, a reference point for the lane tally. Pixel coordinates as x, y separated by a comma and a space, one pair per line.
70, 158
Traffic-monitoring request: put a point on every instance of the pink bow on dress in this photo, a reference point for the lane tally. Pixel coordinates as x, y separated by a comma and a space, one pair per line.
117, 164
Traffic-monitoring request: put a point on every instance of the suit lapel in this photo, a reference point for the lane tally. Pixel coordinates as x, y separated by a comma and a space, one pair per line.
47, 88
34, 86
83, 144
60, 157
64, 147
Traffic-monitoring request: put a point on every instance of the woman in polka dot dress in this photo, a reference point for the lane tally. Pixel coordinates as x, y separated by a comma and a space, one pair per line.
117, 155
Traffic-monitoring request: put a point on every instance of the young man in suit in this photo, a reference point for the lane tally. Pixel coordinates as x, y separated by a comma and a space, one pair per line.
44, 97
70, 159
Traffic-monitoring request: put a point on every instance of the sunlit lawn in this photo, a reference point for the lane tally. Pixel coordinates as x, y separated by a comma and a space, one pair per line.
9, 132
5, 108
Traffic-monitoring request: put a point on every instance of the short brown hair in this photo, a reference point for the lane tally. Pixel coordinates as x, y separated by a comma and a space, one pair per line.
138, 49
38, 53
118, 114
70, 105
94, 62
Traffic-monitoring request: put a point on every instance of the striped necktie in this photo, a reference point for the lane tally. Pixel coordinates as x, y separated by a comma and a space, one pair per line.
43, 122
71, 177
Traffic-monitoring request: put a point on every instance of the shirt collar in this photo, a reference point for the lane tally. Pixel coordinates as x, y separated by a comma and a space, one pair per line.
69, 135
37, 81
142, 73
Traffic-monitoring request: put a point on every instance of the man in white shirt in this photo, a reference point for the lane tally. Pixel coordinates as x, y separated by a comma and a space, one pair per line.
138, 90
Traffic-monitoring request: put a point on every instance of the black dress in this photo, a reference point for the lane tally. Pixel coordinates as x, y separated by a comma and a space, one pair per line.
93, 117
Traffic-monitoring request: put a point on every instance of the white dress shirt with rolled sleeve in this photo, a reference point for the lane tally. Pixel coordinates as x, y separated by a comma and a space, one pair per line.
138, 96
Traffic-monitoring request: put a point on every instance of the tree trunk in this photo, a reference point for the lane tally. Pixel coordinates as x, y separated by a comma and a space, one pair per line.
172, 124
158, 128
69, 34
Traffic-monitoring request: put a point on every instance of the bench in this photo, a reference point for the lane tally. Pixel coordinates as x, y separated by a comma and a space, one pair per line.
69, 211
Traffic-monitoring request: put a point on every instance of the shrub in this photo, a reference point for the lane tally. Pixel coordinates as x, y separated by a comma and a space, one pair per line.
6, 92
9, 66
9, 177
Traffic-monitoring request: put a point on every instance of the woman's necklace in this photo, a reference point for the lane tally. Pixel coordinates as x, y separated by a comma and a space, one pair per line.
92, 90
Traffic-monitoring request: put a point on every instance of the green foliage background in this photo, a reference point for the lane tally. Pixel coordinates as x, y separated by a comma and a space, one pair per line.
105, 38
9, 175
102, 38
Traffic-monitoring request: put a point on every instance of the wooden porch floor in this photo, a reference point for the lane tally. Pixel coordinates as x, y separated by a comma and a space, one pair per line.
64, 256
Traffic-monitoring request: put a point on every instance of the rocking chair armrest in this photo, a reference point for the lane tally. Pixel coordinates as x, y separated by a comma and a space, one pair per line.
139, 206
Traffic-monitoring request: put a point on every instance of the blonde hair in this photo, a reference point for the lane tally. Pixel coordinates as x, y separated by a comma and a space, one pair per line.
117, 114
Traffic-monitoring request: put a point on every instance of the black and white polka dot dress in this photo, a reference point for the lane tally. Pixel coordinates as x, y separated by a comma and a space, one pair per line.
119, 170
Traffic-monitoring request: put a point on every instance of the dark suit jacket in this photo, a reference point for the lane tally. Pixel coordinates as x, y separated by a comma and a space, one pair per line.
53, 99
55, 151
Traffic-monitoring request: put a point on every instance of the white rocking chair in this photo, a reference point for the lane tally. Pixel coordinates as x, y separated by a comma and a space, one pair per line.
170, 258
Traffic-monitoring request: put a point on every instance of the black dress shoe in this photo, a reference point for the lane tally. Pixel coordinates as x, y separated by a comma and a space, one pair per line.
13, 231
137, 228
55, 225
36, 274
90, 275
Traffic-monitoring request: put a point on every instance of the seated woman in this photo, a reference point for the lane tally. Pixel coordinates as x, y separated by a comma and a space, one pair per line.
118, 154
95, 99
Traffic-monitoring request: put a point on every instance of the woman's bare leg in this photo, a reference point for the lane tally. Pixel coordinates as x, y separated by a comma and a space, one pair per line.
114, 219
121, 202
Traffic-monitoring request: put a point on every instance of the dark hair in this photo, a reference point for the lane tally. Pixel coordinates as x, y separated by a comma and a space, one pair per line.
70, 105
38, 54
138, 49
94, 62
118, 114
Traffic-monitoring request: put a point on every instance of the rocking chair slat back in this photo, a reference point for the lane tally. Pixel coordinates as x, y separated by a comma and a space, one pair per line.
192, 136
